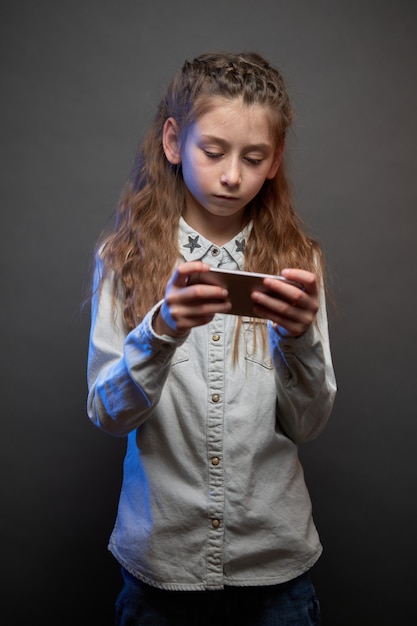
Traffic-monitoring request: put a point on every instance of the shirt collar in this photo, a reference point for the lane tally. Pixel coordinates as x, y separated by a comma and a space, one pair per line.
194, 247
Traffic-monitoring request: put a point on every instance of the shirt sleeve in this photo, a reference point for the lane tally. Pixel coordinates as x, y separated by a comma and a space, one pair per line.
305, 379
126, 372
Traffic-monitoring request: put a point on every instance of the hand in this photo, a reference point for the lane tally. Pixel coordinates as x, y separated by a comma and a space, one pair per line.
294, 310
186, 306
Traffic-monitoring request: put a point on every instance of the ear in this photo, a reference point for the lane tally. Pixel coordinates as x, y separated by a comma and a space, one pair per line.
171, 141
276, 162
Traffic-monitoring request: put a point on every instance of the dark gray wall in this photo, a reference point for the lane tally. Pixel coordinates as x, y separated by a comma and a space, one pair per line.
79, 83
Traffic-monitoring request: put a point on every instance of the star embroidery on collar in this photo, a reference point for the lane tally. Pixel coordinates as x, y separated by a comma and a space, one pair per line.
240, 245
192, 243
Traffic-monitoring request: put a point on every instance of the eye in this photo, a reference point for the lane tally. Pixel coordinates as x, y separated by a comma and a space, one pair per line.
212, 155
253, 161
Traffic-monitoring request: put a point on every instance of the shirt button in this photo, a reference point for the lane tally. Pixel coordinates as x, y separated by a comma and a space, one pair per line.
215, 251
216, 337
215, 397
215, 523
215, 460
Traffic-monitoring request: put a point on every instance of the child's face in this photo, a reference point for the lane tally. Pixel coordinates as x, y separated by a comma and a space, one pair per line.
226, 158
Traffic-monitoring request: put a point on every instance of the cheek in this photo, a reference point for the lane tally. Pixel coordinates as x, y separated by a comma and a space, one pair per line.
192, 177
257, 182
195, 173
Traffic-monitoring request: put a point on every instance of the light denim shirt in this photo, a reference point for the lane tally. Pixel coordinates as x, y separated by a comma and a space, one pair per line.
213, 491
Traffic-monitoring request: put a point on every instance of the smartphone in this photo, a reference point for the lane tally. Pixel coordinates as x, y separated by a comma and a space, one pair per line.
240, 285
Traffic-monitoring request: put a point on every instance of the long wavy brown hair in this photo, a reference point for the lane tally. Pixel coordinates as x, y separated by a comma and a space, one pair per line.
142, 249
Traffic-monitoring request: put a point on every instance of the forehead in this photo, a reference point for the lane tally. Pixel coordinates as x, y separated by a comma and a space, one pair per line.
225, 118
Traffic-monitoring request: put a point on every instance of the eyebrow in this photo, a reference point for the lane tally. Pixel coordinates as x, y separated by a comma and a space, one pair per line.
263, 147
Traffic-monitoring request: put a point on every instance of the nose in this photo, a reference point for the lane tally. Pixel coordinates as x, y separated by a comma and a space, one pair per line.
231, 175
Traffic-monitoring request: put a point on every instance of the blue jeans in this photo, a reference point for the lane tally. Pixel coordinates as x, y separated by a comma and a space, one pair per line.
293, 603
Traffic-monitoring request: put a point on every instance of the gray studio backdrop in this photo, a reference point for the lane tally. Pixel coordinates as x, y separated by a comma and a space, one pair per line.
79, 84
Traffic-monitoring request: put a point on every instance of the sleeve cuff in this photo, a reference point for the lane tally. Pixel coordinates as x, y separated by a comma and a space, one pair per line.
291, 344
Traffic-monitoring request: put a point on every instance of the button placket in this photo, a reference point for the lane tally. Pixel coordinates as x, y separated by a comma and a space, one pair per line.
216, 366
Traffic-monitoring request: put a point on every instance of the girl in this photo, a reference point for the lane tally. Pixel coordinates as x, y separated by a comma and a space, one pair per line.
214, 519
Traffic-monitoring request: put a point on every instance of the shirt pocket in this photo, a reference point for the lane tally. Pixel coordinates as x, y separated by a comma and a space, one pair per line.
256, 346
181, 354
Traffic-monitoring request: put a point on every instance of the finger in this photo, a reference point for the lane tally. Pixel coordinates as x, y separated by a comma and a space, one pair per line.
179, 278
287, 299
184, 271
308, 279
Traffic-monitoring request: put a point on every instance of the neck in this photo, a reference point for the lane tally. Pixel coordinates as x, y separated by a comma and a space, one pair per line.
217, 229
